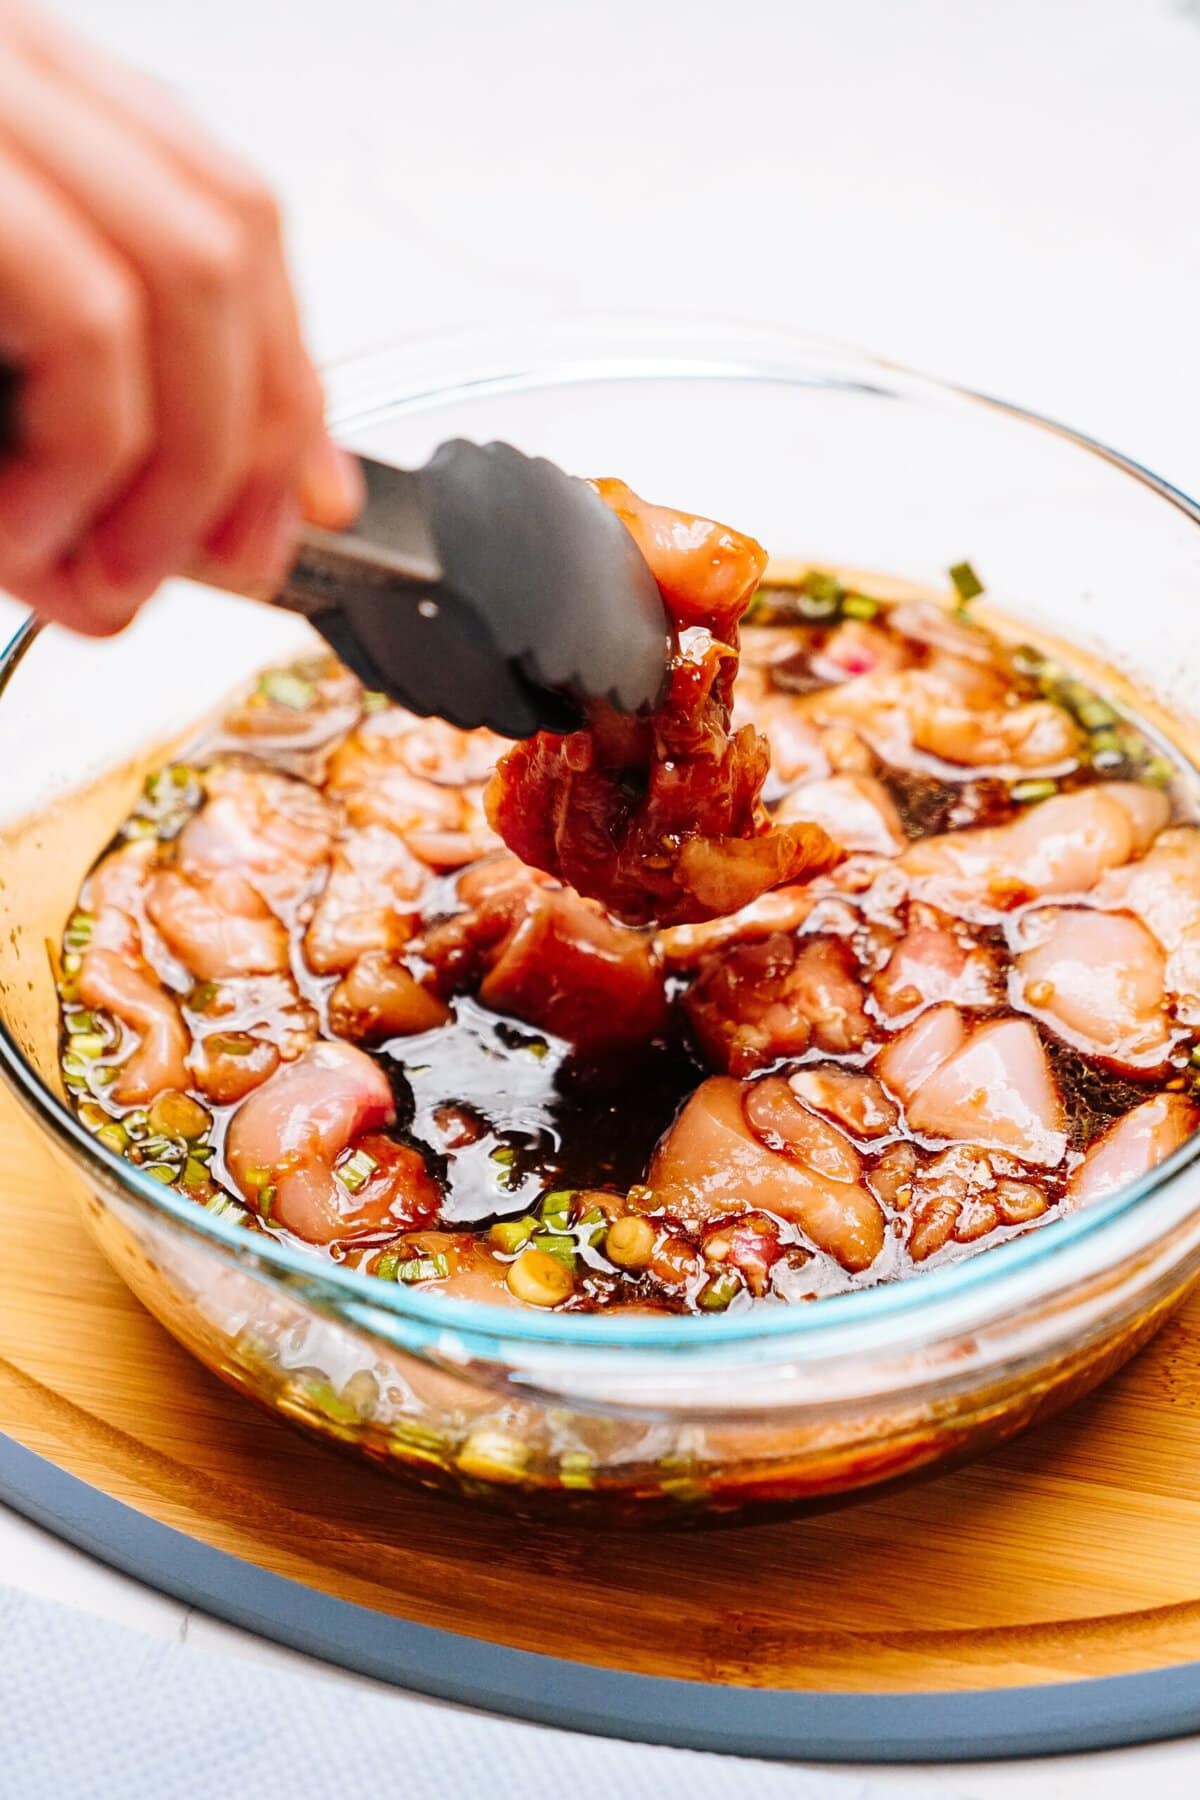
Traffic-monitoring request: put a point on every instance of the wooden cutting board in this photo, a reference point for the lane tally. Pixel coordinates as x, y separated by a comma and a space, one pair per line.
1073, 1551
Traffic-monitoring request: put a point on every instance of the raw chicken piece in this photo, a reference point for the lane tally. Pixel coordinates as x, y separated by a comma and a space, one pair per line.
856, 810
855, 1102
934, 960
783, 909
381, 999
369, 902
1097, 980
1132, 1147
742, 1146
115, 979
956, 711
419, 778
217, 928
660, 818
259, 824
537, 951
925, 622
990, 1086
286, 1138
244, 1029
753, 1003
1061, 846
1163, 891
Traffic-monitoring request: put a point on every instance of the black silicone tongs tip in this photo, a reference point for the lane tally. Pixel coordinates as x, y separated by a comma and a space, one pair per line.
489, 588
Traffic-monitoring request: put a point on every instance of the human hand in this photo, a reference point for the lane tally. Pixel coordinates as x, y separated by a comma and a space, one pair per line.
167, 412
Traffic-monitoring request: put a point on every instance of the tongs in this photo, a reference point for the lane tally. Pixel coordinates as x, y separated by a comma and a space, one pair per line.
487, 587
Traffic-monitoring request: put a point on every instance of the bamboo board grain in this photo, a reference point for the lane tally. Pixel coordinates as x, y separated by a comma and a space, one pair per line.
1074, 1551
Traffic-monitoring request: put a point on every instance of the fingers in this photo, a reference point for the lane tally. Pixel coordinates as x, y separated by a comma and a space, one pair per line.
292, 438
73, 321
168, 408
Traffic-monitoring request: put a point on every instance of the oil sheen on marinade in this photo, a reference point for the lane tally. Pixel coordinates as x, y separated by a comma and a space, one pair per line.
307, 987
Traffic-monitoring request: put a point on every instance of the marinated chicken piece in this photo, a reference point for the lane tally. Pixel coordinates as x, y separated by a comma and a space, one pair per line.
115, 979
1061, 846
925, 622
783, 909
956, 711
856, 810
538, 952
855, 648
1096, 979
287, 1143
852, 1101
243, 1029
754, 1003
797, 748
964, 1195
421, 779
370, 901
381, 999
120, 881
272, 830
1137, 1143
298, 709
989, 1085
934, 960
754, 1145
217, 928
661, 818
1163, 891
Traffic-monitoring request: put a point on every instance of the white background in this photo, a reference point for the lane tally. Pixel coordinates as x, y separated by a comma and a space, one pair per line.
1006, 192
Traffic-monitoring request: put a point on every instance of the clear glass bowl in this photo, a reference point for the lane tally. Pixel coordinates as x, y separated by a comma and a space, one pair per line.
821, 452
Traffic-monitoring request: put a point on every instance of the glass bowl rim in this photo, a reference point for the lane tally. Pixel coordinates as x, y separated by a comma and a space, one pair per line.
613, 348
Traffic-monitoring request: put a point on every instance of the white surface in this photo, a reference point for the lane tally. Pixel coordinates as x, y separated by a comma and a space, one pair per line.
1000, 193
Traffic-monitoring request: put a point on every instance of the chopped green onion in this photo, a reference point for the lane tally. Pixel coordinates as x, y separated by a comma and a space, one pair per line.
718, 1291
1095, 715
575, 1470
75, 1067
1158, 772
103, 1075
562, 1248
136, 1123
356, 1173
160, 1148
967, 584
816, 607
374, 702
139, 828
820, 585
510, 1235
266, 1200
555, 1208
113, 1136
1194, 1056
1025, 793
537, 1047
859, 606
72, 963
90, 1044
224, 1206
91, 1115
78, 934
1028, 661
504, 1154
386, 1265
162, 1172
286, 688
230, 1043
257, 1176
202, 996
422, 1268
195, 1174
593, 1226
79, 1022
